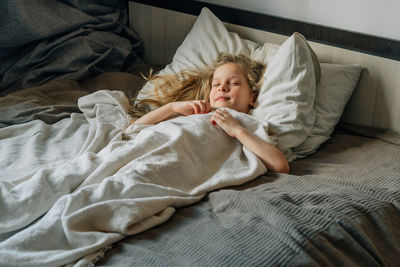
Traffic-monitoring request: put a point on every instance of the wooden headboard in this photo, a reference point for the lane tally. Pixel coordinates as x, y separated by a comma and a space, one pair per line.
163, 24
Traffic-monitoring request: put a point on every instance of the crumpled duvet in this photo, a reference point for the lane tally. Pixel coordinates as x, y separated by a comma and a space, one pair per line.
70, 189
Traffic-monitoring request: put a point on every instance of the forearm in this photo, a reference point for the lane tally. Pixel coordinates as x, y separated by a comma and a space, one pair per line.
157, 115
271, 156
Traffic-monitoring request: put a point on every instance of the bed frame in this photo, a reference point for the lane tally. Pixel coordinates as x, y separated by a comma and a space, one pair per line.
164, 24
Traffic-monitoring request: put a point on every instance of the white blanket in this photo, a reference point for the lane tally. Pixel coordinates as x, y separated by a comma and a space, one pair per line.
70, 189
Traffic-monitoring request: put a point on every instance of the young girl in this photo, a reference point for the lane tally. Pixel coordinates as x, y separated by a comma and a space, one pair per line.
231, 82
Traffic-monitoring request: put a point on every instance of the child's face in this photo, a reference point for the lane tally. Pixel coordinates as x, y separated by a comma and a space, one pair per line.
229, 88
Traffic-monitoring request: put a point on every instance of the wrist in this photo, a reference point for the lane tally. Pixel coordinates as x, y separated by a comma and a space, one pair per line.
170, 108
239, 132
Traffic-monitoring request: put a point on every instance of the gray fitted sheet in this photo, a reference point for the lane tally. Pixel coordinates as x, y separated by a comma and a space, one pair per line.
338, 207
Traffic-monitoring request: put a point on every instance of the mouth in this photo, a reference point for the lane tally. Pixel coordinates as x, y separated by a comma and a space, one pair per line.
222, 98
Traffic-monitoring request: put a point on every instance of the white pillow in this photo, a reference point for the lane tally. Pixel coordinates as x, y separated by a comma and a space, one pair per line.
287, 98
337, 83
205, 41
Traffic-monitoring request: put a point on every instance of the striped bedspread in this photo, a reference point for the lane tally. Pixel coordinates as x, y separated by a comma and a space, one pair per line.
338, 207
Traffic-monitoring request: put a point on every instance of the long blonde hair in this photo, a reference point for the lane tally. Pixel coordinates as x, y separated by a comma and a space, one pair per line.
195, 84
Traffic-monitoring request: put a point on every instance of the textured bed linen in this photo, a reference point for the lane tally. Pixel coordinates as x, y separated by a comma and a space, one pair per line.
43, 40
56, 100
338, 207
69, 189
350, 189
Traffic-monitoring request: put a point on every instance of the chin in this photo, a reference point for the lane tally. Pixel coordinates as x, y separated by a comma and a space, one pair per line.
219, 105
222, 106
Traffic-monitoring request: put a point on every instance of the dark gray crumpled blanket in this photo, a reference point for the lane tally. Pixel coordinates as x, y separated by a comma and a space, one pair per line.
44, 40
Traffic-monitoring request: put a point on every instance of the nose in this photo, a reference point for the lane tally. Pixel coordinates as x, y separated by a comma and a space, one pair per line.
223, 87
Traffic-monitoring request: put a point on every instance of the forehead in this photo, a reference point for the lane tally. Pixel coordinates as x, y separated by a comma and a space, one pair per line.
228, 70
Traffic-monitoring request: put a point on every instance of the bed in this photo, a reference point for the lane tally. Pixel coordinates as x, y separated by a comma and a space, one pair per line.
81, 186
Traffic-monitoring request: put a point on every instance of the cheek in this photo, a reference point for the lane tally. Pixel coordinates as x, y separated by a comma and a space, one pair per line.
212, 94
238, 94
211, 97
245, 98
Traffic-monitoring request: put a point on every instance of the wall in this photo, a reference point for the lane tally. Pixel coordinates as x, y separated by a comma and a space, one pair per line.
373, 17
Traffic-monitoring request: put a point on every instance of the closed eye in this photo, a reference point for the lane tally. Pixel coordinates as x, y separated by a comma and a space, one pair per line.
235, 83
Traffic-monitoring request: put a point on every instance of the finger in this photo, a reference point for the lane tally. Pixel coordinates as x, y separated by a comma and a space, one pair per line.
226, 114
204, 106
213, 119
207, 107
201, 106
220, 113
218, 119
195, 107
224, 111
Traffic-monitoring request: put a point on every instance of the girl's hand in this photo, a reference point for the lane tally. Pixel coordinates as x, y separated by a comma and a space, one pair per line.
271, 156
191, 107
227, 122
